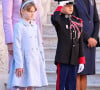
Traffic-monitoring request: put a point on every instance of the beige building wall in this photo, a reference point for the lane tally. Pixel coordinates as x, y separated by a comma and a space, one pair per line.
44, 9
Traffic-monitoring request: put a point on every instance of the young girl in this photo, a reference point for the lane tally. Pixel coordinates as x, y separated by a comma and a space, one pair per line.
11, 16
28, 65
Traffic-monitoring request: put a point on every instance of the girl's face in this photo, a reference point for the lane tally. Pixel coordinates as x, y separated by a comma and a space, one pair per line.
68, 9
28, 15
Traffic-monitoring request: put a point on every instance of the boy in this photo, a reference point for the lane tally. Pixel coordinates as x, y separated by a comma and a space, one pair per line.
69, 52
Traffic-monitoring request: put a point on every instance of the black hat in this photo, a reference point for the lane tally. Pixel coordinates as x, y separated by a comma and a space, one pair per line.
66, 1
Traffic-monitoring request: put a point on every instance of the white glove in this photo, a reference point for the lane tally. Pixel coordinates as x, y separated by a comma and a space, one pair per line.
80, 68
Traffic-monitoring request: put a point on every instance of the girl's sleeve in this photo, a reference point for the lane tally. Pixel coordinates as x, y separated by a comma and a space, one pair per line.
7, 6
18, 57
40, 44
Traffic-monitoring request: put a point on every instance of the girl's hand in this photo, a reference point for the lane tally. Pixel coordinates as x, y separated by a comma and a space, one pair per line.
19, 72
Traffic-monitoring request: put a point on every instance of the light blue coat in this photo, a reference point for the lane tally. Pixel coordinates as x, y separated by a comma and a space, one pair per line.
28, 54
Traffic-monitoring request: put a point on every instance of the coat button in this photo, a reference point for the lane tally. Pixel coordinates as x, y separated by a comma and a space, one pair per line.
73, 45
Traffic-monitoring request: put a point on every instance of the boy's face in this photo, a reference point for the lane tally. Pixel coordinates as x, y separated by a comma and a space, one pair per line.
28, 15
68, 9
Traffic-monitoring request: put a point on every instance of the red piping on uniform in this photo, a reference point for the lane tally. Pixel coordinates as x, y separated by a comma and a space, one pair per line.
58, 76
59, 8
75, 25
77, 18
82, 60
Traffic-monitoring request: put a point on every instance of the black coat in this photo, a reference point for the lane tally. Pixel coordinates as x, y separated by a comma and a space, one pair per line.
68, 50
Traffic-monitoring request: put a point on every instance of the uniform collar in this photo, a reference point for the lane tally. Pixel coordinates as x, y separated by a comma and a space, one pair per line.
26, 23
67, 16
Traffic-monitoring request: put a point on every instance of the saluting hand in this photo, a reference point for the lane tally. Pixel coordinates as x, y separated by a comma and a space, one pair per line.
19, 72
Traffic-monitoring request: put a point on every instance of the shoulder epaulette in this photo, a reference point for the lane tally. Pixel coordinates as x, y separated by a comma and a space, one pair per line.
81, 21
58, 9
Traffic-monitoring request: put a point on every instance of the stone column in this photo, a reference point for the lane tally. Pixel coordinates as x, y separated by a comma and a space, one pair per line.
44, 9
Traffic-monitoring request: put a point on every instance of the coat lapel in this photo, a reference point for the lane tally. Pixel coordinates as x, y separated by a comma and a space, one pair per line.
82, 4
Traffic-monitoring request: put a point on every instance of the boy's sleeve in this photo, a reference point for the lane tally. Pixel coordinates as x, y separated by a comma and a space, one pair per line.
81, 51
18, 57
55, 18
